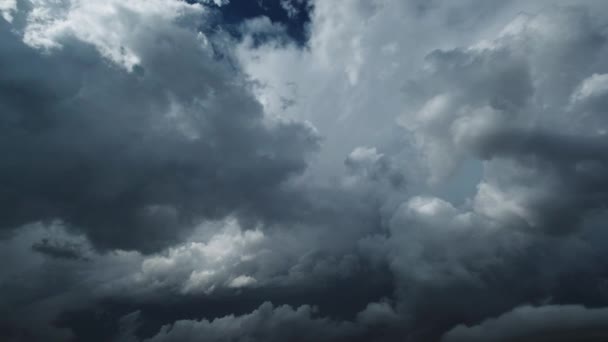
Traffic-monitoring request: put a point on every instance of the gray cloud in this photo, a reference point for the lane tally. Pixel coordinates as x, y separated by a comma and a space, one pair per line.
189, 187
544, 323
58, 249
131, 156
498, 100
267, 323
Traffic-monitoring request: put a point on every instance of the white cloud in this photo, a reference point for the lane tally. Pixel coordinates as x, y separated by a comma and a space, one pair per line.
242, 281
595, 85
115, 28
267, 323
203, 267
7, 7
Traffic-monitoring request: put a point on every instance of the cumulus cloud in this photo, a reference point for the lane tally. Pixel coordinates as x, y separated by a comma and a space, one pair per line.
58, 249
203, 266
6, 9
506, 97
128, 140
60, 274
166, 175
500, 101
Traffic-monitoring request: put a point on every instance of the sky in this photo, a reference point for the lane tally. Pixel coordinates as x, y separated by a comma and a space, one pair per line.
303, 170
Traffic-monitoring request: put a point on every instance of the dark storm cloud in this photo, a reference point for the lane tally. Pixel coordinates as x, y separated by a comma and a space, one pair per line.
221, 270
544, 323
267, 323
500, 101
444, 260
58, 249
130, 157
270, 322
177, 202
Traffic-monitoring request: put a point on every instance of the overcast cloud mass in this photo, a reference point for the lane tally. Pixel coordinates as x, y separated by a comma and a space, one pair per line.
303, 170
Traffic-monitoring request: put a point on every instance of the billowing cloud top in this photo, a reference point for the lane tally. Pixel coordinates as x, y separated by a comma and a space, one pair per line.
303, 170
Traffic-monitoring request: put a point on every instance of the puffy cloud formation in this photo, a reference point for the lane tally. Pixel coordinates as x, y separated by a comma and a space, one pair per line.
110, 130
502, 102
6, 9
401, 171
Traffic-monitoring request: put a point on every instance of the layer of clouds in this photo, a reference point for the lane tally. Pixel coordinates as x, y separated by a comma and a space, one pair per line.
544, 323
193, 177
267, 323
61, 272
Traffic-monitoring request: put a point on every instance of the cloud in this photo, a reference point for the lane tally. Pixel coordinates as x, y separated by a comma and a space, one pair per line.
114, 133
503, 100
58, 249
202, 267
215, 2
543, 323
45, 279
162, 179
63, 283
498, 100
291, 7
267, 323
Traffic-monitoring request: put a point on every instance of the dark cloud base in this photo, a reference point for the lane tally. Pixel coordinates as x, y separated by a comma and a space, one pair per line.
339, 300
